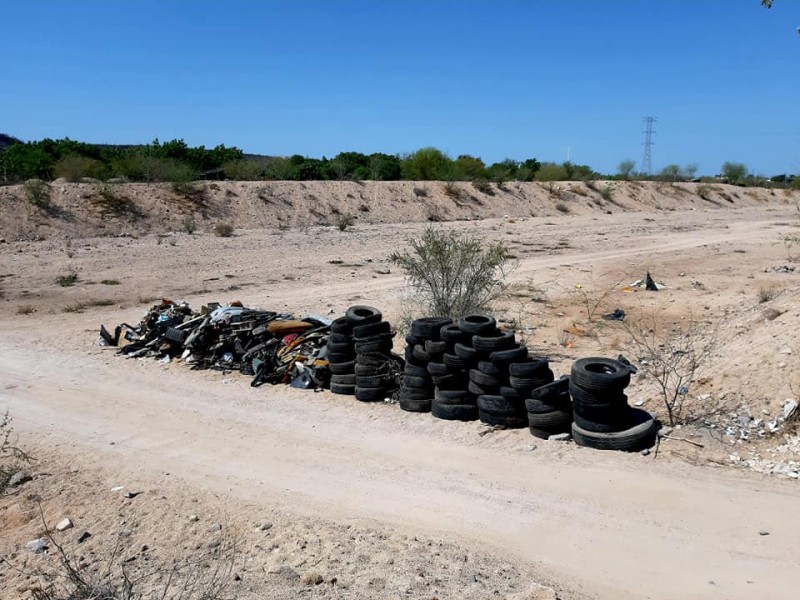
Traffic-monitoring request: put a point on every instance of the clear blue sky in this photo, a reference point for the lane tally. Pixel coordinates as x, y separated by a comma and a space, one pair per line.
494, 79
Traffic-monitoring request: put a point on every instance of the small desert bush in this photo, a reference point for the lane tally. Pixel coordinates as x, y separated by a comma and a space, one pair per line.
704, 191
189, 225
561, 207
454, 274
607, 193
451, 189
110, 282
11, 457
74, 168
109, 201
67, 280
25, 309
223, 230
37, 193
765, 294
482, 185
420, 192
344, 221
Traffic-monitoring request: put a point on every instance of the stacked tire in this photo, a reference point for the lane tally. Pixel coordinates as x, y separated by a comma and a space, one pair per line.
375, 365
450, 374
548, 406
602, 417
342, 357
418, 389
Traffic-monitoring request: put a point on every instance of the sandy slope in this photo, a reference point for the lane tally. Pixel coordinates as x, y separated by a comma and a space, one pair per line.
595, 524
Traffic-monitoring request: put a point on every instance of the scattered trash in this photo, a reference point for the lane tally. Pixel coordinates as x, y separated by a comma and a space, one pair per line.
650, 285
780, 269
617, 315
789, 409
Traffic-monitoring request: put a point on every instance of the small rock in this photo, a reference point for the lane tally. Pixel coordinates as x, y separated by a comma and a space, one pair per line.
665, 430
84, 536
213, 544
530, 447
265, 526
132, 494
236, 577
286, 572
383, 271
37, 546
785, 350
560, 437
117, 488
193, 518
19, 478
215, 527
63, 525
313, 578
646, 452
789, 409
126, 533
763, 532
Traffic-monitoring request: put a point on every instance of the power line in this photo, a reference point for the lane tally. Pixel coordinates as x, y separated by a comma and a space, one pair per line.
647, 166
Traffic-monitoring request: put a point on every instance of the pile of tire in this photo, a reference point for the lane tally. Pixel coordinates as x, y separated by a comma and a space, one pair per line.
360, 355
450, 374
602, 417
549, 406
423, 346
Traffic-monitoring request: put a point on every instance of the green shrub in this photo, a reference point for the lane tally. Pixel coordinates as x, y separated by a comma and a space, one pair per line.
74, 168
734, 172
454, 274
37, 193
451, 189
482, 185
189, 225
551, 172
109, 201
67, 280
607, 193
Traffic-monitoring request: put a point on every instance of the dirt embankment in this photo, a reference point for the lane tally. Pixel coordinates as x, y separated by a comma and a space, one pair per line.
86, 209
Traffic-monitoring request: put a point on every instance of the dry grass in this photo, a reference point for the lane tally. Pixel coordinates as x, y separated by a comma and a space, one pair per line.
223, 230
765, 294
25, 309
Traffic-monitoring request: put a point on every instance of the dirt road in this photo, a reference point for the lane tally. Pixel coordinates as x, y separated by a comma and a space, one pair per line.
604, 525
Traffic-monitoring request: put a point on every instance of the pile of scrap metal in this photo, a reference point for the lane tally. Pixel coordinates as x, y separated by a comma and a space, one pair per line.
271, 347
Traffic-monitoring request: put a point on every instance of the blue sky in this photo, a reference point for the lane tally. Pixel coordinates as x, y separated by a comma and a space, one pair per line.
499, 79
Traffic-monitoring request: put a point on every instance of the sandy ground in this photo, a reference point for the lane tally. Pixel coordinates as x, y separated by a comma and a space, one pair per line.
392, 504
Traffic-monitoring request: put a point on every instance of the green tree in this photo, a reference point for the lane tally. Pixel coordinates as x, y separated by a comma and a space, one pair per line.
384, 167
503, 171
527, 169
734, 172
671, 173
690, 170
625, 168
469, 168
551, 172
427, 164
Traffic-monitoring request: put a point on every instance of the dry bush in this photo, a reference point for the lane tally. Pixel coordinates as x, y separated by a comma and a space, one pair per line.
344, 221
483, 186
12, 457
561, 207
110, 202
67, 280
37, 193
223, 230
670, 357
451, 189
454, 274
765, 294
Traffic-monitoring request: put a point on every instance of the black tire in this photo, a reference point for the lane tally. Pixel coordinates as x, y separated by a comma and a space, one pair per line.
413, 360
484, 380
340, 388
341, 357
479, 390
373, 381
362, 315
530, 368
370, 370
422, 383
437, 368
378, 337
640, 435
528, 385
428, 327
382, 346
340, 338
410, 393
600, 374
436, 347
488, 367
413, 340
453, 381
500, 340
555, 421
606, 398
512, 395
512, 355
372, 329
467, 353
414, 405
477, 324
379, 359
451, 333
542, 433
454, 412
340, 347
454, 361
538, 406
371, 394
342, 326
419, 353
553, 388
607, 417
453, 397
342, 368
415, 371
618, 420
507, 421
501, 406
346, 379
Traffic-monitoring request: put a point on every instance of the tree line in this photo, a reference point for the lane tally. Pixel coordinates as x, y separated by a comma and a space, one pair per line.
176, 161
